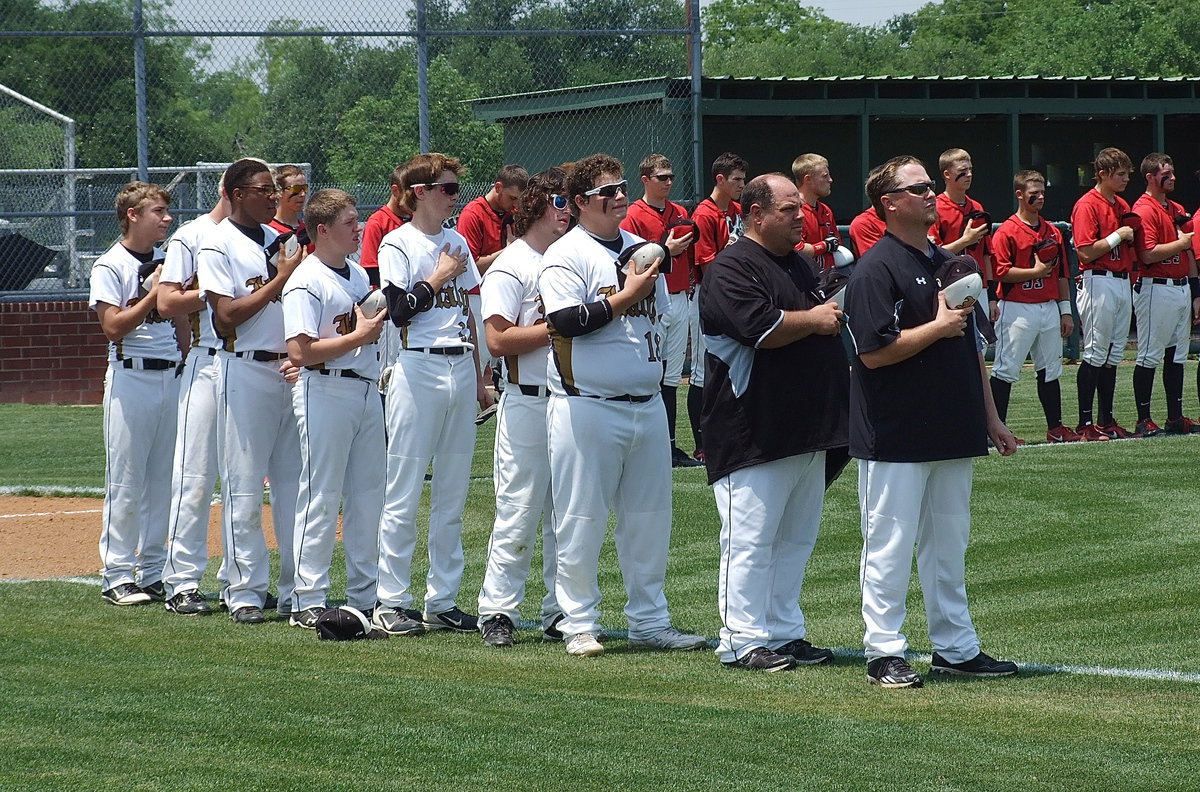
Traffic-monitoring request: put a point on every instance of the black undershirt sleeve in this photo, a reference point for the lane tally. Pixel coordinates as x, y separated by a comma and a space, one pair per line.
404, 305
581, 319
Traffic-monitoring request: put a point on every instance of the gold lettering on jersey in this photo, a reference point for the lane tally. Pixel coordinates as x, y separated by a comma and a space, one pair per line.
343, 324
608, 291
451, 296
154, 317
257, 282
645, 307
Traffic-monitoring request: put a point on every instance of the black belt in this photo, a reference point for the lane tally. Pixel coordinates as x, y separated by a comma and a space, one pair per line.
261, 356
1167, 281
629, 397
440, 350
148, 364
208, 350
340, 373
531, 390
1109, 273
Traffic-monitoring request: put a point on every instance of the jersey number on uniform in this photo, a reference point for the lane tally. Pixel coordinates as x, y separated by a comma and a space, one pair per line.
653, 346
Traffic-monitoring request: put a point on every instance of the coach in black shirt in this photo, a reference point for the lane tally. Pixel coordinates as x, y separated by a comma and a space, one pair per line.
919, 411
775, 397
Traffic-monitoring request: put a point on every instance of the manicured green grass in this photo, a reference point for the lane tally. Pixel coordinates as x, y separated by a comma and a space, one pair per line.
1082, 555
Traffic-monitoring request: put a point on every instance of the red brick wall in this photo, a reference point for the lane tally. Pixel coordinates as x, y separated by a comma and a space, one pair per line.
51, 353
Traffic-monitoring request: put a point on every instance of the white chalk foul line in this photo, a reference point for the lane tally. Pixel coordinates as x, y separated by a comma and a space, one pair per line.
18, 489
51, 514
87, 581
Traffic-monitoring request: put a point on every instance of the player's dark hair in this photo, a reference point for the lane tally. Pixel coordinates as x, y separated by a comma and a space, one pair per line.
758, 191
134, 196
397, 175
653, 162
241, 172
513, 176
883, 178
324, 208
1022, 179
727, 163
535, 200
424, 169
587, 170
1111, 160
1154, 162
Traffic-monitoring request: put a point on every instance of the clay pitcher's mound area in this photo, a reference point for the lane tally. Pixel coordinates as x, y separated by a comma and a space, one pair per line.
56, 537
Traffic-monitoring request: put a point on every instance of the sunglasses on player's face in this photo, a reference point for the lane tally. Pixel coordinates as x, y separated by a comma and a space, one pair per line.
920, 189
295, 189
609, 190
664, 177
447, 188
559, 202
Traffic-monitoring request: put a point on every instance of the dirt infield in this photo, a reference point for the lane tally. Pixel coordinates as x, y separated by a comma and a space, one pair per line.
54, 537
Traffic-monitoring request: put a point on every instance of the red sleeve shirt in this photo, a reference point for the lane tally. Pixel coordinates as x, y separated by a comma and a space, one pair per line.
818, 224
1012, 247
381, 222
952, 222
865, 230
483, 228
650, 224
712, 231
1158, 228
1094, 218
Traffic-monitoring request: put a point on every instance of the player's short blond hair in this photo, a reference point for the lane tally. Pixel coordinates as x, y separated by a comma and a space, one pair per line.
807, 165
951, 157
1022, 180
135, 196
286, 172
325, 206
424, 169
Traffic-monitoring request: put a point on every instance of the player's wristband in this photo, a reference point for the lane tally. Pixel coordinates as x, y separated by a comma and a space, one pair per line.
1194, 285
1064, 307
820, 248
1113, 240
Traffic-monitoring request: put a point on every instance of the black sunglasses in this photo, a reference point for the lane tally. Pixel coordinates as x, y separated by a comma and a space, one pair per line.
447, 188
920, 189
609, 190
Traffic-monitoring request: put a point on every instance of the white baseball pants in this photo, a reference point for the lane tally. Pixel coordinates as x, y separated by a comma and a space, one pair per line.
697, 337
1105, 305
342, 461
926, 504
611, 456
1025, 327
430, 415
770, 514
256, 438
139, 441
1164, 320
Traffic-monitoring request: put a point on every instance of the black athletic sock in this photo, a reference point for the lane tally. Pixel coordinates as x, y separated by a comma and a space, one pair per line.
1050, 395
1001, 392
695, 406
1106, 387
1143, 390
668, 397
1173, 385
1086, 385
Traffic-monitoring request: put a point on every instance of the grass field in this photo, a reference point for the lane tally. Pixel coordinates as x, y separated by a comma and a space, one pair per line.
1082, 568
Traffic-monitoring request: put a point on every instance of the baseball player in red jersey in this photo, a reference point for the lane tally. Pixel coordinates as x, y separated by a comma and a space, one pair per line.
820, 238
656, 218
382, 221
141, 393
1035, 304
486, 224
1103, 242
293, 189
1166, 298
719, 223
963, 225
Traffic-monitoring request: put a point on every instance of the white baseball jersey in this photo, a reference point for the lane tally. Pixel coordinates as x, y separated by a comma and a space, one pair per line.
319, 301
510, 291
624, 357
232, 264
180, 267
115, 280
408, 256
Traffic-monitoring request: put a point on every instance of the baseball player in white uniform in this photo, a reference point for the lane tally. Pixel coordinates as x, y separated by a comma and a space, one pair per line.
141, 388
242, 271
425, 271
515, 329
338, 411
194, 470
608, 436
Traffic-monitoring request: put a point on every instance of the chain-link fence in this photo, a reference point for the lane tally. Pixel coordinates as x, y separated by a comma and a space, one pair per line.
159, 89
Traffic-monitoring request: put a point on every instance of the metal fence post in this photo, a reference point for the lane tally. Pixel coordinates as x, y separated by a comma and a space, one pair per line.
694, 64
139, 89
422, 77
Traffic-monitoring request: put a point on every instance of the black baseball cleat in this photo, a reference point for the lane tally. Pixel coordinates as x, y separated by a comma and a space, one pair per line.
804, 653
248, 614
306, 618
892, 672
981, 665
760, 658
497, 631
453, 619
125, 594
156, 590
680, 459
188, 603
551, 632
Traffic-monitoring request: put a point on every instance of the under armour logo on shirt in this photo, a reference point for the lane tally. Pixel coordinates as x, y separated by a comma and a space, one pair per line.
921, 281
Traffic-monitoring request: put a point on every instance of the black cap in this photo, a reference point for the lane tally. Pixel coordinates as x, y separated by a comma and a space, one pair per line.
343, 624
